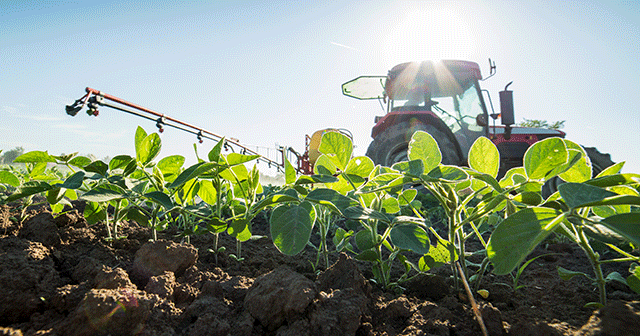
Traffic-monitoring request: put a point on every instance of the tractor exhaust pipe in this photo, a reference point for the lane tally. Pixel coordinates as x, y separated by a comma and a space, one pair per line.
506, 110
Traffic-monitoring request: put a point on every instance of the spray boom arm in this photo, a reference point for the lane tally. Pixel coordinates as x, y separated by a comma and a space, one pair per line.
94, 98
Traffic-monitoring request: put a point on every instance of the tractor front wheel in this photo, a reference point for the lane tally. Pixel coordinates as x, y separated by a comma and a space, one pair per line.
392, 145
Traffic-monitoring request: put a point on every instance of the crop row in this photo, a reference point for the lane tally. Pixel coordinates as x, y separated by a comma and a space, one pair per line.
381, 219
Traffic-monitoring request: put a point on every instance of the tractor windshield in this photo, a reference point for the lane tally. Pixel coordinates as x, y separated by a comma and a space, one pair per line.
457, 110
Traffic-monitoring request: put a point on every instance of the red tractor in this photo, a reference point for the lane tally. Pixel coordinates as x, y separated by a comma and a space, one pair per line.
444, 99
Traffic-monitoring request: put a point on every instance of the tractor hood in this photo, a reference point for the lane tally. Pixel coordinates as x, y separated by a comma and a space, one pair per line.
541, 132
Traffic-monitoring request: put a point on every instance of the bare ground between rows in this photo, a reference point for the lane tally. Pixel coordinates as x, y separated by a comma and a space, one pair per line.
59, 276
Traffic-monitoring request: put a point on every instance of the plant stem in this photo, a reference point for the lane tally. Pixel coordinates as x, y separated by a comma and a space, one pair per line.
594, 258
474, 305
452, 252
483, 268
215, 245
239, 249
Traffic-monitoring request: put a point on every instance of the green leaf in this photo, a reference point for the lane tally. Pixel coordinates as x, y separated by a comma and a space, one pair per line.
289, 172
290, 227
410, 237
71, 194
9, 178
274, 199
581, 170
602, 233
447, 174
612, 170
364, 240
93, 213
63, 157
311, 179
566, 274
214, 153
543, 157
192, 172
579, 194
626, 225
337, 147
216, 225
615, 276
409, 220
382, 181
137, 216
484, 157
424, 147
234, 159
512, 177
34, 156
528, 198
55, 195
357, 212
359, 166
103, 194
74, 181
341, 240
171, 165
614, 180
438, 255
148, 149
57, 207
139, 137
38, 170
488, 179
331, 198
239, 229
368, 255
28, 189
390, 205
518, 235
325, 166
207, 192
97, 167
80, 161
120, 162
413, 167
633, 281
407, 196
160, 198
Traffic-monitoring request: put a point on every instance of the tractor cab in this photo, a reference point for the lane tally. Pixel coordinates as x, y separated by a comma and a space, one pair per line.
444, 94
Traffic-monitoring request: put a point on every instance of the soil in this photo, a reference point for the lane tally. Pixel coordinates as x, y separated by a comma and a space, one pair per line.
59, 276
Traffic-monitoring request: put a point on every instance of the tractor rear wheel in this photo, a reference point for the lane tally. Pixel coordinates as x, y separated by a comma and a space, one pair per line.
392, 145
599, 161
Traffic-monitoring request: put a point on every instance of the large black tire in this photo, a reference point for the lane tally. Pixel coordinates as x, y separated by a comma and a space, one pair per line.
599, 161
392, 145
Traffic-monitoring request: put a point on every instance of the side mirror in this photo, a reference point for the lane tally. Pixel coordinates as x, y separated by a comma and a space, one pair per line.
481, 120
506, 106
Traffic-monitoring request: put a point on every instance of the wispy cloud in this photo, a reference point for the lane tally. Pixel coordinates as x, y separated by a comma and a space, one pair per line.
8, 109
39, 117
344, 46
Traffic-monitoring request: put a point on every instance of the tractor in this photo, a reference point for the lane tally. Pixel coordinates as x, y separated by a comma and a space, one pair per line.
444, 99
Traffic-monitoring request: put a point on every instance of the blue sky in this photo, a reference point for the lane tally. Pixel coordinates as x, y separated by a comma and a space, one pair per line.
269, 72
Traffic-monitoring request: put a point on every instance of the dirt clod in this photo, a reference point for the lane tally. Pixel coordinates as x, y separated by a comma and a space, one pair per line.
155, 258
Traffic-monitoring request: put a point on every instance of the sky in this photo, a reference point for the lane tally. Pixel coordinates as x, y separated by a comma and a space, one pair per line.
270, 72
